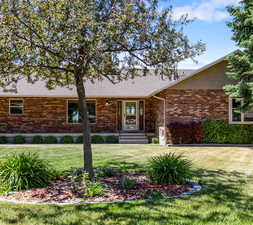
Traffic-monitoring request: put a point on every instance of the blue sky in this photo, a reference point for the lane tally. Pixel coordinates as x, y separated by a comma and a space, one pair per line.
209, 25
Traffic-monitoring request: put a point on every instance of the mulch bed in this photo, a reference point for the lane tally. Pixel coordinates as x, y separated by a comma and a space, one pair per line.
65, 190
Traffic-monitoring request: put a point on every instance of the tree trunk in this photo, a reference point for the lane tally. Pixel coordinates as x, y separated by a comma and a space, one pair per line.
83, 111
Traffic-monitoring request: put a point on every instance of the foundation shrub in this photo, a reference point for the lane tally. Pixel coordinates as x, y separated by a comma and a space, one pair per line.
112, 139
3, 140
185, 132
97, 139
37, 140
67, 140
19, 140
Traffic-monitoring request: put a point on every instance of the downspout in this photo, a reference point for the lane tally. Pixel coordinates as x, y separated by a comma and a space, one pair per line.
164, 115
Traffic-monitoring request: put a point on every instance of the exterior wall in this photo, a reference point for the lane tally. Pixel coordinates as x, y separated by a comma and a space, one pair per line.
213, 78
191, 105
49, 115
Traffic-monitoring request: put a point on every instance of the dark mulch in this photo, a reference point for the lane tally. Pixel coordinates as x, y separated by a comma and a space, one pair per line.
64, 190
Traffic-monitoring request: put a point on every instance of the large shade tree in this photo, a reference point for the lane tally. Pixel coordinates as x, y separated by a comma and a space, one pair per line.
241, 63
66, 43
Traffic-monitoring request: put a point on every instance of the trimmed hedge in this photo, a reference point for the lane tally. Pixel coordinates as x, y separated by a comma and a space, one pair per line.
3, 140
37, 140
97, 139
50, 140
67, 140
79, 140
221, 132
19, 140
210, 132
112, 139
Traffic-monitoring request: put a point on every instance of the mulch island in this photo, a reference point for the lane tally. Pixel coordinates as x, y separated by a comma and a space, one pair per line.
110, 186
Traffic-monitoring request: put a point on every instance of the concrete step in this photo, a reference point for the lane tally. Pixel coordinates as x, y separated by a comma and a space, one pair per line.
133, 138
133, 141
132, 134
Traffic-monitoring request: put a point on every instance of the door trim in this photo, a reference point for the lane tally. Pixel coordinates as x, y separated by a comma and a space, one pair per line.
124, 117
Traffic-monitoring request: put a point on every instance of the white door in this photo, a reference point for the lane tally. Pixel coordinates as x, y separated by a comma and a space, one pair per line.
130, 115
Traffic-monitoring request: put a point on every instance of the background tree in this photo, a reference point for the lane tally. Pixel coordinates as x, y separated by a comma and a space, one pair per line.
66, 43
241, 64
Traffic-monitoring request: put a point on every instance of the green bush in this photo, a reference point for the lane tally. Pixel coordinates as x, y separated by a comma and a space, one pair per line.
97, 139
67, 140
79, 140
112, 139
50, 140
105, 172
93, 189
19, 140
155, 140
170, 169
221, 132
127, 183
25, 171
3, 140
153, 194
37, 140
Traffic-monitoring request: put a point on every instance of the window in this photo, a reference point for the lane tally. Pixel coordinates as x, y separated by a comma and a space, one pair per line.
16, 107
73, 112
239, 117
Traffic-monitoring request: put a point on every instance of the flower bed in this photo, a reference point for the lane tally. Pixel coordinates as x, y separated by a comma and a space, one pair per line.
65, 190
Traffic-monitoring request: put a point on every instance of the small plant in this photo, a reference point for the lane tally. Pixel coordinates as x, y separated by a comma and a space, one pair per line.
170, 169
85, 177
105, 172
155, 140
127, 183
3, 140
50, 140
153, 194
37, 140
93, 189
79, 140
97, 139
67, 140
19, 140
24, 171
112, 139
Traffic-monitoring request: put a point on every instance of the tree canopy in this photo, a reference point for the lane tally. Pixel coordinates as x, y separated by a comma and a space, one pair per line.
241, 64
66, 43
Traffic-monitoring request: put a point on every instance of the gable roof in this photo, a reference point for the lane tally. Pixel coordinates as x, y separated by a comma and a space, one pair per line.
138, 87
194, 73
146, 86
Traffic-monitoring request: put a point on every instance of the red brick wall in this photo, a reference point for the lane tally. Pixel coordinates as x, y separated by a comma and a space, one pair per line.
191, 105
49, 115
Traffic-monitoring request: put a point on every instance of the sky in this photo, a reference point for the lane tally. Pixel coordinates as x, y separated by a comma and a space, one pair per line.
209, 25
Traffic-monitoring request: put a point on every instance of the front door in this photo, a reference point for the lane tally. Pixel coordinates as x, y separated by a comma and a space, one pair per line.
130, 115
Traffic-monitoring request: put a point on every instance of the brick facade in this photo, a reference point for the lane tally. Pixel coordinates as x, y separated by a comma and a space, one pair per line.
49, 115
191, 105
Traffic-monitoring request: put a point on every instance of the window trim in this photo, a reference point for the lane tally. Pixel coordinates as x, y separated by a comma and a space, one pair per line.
23, 106
76, 100
231, 115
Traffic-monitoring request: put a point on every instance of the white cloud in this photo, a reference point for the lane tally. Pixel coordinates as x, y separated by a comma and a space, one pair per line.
209, 10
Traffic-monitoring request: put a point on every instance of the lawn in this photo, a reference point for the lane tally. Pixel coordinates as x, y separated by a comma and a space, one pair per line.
226, 175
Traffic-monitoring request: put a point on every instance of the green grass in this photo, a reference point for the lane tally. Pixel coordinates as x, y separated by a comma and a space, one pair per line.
226, 175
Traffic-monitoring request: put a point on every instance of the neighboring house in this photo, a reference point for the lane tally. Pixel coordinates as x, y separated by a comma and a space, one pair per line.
140, 105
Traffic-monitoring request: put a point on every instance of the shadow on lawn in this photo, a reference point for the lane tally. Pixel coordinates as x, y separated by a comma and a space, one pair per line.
219, 189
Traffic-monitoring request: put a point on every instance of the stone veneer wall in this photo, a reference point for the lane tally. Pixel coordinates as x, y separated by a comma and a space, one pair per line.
191, 105
49, 115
